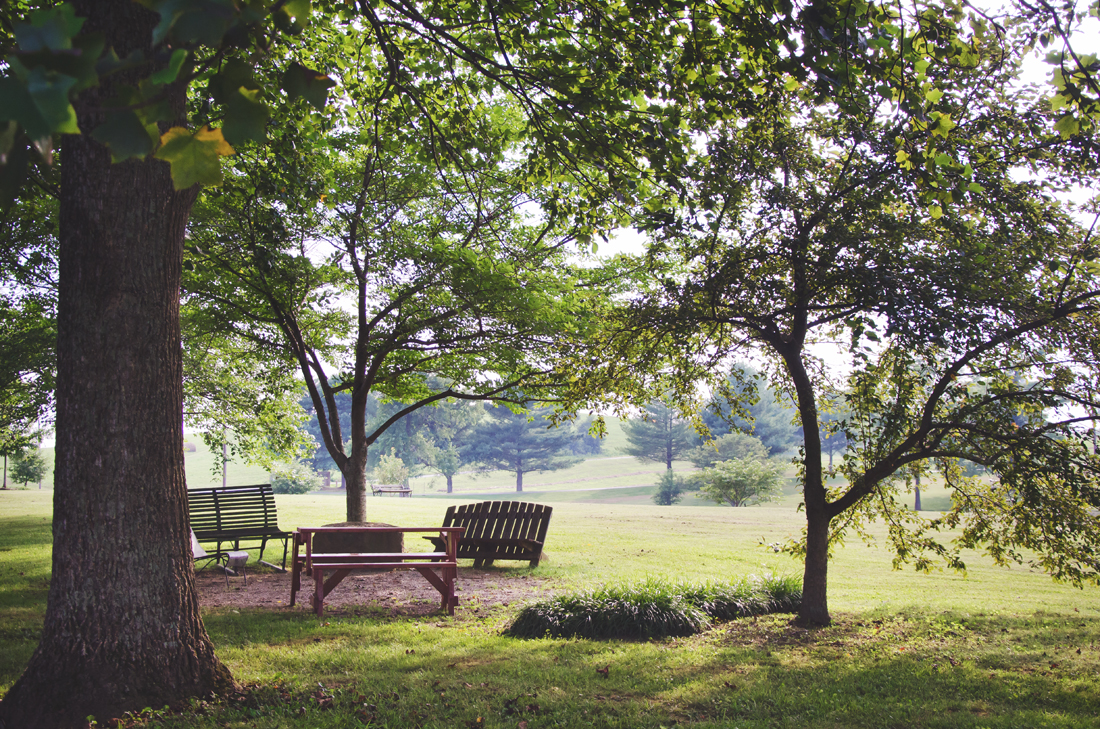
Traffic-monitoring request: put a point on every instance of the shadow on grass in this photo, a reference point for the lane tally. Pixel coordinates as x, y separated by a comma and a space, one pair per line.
947, 670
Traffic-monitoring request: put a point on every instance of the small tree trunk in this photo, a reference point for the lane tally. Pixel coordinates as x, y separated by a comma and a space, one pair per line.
815, 606
354, 478
5, 487
519, 479
450, 483
916, 501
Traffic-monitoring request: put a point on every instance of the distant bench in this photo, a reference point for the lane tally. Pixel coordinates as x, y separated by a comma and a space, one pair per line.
234, 514
391, 488
498, 530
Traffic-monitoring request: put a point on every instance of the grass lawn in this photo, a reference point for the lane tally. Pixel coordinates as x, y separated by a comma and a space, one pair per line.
994, 648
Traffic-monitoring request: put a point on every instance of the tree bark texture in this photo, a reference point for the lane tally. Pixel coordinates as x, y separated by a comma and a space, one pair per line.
815, 605
122, 628
355, 485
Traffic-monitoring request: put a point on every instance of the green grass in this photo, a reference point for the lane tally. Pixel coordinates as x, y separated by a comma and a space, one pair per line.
996, 648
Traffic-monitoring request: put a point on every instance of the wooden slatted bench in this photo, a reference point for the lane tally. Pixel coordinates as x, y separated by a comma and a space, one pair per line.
391, 488
439, 568
234, 514
499, 530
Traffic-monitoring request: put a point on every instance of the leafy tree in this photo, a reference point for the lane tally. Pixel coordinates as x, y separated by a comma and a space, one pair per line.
833, 438
457, 295
738, 405
294, 478
909, 239
238, 395
391, 470
670, 489
727, 447
127, 72
521, 442
28, 314
660, 435
740, 481
28, 467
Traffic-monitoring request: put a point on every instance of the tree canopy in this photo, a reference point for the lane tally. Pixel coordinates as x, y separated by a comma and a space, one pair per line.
963, 293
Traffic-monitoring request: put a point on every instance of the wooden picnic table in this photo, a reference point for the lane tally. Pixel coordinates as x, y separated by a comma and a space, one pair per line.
439, 568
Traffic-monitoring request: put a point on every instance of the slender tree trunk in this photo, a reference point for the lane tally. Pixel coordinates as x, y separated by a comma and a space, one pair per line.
519, 479
122, 628
5, 487
354, 477
916, 502
815, 605
450, 483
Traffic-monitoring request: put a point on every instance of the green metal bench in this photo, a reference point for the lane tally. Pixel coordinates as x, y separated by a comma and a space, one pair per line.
234, 514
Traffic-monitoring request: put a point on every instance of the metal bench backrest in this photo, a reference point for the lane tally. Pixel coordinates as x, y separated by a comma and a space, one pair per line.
233, 511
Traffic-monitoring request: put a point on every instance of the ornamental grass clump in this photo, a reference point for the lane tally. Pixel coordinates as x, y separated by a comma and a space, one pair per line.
654, 609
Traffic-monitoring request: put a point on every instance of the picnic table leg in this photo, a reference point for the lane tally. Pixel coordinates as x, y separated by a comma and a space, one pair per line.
295, 573
318, 591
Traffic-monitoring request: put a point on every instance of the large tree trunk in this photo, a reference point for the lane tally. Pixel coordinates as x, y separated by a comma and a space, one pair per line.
122, 628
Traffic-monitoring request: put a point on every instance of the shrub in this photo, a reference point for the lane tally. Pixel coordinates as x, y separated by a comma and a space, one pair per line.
727, 447
740, 482
295, 478
670, 489
654, 609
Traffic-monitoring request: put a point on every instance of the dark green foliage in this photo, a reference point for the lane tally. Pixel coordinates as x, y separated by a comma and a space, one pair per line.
727, 447
522, 442
660, 435
654, 609
28, 467
670, 489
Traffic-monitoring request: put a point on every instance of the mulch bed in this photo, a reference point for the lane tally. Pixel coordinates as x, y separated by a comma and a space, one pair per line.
402, 592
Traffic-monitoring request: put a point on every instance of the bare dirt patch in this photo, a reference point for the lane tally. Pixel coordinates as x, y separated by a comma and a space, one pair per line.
402, 592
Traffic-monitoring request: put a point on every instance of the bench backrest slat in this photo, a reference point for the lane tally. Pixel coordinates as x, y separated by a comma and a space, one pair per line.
233, 509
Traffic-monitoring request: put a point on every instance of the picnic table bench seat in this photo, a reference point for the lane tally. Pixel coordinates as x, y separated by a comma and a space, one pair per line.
499, 530
232, 514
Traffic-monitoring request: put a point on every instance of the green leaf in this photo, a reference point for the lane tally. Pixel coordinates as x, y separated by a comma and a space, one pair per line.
52, 29
305, 83
50, 91
234, 74
195, 158
298, 10
1067, 126
193, 21
126, 136
172, 72
246, 117
17, 105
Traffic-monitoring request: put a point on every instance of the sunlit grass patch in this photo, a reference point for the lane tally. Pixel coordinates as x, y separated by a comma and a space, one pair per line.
654, 609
